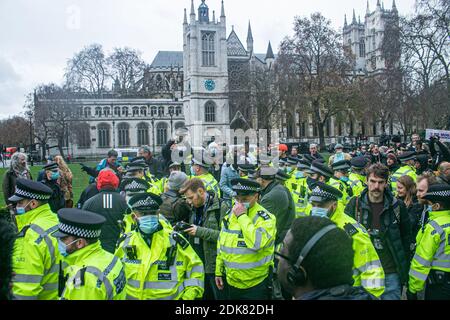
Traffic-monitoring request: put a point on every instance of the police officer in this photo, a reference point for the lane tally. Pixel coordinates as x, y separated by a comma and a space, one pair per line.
431, 262
300, 190
159, 263
199, 169
357, 177
340, 179
320, 172
245, 249
131, 187
136, 169
91, 273
407, 160
51, 179
35, 256
367, 269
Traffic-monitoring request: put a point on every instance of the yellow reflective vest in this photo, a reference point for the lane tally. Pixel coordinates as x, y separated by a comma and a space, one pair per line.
367, 269
93, 274
245, 248
357, 183
36, 256
432, 250
342, 187
168, 269
210, 182
402, 171
300, 193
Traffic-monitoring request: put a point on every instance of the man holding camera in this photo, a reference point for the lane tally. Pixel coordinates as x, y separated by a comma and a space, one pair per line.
203, 228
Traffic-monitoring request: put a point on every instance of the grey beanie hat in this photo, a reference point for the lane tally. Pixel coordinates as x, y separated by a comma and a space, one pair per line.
176, 180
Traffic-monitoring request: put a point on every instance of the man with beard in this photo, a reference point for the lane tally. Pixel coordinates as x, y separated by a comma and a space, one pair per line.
387, 221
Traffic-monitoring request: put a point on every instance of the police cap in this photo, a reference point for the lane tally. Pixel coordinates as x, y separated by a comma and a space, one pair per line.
245, 186
79, 223
145, 202
438, 193
322, 193
321, 168
29, 189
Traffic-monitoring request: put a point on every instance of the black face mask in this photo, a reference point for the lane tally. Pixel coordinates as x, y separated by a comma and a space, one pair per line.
310, 181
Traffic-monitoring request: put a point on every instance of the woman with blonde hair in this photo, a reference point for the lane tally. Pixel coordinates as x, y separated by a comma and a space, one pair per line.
65, 181
407, 192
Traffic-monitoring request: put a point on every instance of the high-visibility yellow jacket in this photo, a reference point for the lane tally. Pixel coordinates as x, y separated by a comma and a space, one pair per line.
210, 182
161, 183
154, 183
357, 183
245, 248
342, 187
300, 193
402, 171
168, 269
93, 274
36, 256
432, 250
367, 269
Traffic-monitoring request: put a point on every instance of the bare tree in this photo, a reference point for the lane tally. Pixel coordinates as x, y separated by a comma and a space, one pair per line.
126, 66
88, 71
14, 131
316, 57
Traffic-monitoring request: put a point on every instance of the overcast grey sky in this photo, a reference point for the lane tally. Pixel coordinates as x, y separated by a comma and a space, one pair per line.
38, 36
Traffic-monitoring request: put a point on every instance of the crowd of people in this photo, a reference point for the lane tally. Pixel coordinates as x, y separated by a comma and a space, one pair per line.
366, 224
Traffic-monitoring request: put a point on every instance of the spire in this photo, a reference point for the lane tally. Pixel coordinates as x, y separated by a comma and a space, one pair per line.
378, 4
214, 16
192, 8
354, 17
203, 12
249, 38
222, 11
382, 5
185, 17
367, 10
269, 54
394, 7
359, 19
345, 21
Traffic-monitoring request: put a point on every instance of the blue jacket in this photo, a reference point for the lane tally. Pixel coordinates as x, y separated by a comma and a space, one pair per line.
228, 173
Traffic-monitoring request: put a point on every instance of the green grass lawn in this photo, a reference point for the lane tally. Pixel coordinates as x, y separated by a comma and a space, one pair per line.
79, 183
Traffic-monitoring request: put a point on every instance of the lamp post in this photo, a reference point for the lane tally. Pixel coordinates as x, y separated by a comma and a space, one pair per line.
171, 121
153, 133
114, 134
30, 114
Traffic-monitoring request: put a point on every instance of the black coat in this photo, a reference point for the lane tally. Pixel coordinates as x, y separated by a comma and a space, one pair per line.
395, 224
343, 292
415, 214
112, 206
90, 191
57, 200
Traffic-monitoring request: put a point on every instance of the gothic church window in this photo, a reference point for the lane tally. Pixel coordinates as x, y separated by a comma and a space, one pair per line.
103, 135
142, 134
144, 111
208, 49
178, 111
210, 112
125, 111
117, 111
124, 134
135, 111
153, 111
362, 48
83, 135
161, 133
98, 112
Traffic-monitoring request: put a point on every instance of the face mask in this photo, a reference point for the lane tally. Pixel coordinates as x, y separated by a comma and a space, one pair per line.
246, 205
21, 210
299, 175
319, 212
288, 169
429, 208
148, 224
62, 247
192, 171
54, 176
344, 178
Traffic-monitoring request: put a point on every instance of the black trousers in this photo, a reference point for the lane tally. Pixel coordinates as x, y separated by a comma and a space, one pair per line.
437, 291
258, 292
211, 290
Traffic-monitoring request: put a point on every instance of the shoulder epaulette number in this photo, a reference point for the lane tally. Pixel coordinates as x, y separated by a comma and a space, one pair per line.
180, 240
350, 229
263, 215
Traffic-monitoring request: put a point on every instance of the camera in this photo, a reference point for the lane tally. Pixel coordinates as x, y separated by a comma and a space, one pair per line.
181, 226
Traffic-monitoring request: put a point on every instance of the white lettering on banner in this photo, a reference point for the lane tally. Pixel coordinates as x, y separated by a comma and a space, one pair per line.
444, 135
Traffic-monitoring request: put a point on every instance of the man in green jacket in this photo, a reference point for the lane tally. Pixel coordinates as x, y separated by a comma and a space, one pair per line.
207, 213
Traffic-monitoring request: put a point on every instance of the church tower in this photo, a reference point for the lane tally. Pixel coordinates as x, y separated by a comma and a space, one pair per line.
205, 67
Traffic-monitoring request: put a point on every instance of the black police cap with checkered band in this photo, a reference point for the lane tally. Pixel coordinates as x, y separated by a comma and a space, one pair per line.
438, 193
292, 161
322, 192
341, 165
145, 202
282, 176
321, 168
303, 164
359, 162
408, 155
134, 185
79, 223
29, 189
245, 186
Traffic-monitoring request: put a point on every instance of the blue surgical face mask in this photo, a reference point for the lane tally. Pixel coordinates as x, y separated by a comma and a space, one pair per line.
246, 205
299, 175
54, 176
148, 224
429, 208
62, 247
319, 212
288, 169
344, 178
22, 210
192, 171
